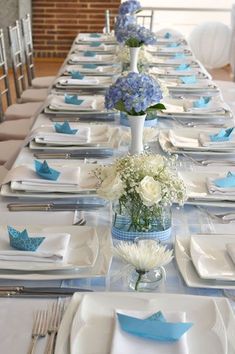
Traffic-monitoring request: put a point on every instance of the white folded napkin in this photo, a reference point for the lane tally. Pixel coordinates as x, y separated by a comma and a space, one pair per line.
182, 141
49, 135
58, 103
205, 141
230, 247
25, 178
79, 82
213, 189
52, 249
80, 68
125, 343
101, 38
97, 58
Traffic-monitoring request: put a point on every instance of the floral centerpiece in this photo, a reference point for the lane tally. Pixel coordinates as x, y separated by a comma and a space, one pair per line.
143, 186
134, 36
135, 94
122, 22
129, 7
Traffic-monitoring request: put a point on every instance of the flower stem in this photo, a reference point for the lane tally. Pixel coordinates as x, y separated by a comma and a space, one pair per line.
140, 273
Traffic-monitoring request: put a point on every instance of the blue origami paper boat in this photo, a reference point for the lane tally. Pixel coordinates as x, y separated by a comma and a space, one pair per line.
89, 53
153, 328
72, 99
76, 75
21, 240
226, 182
222, 135
44, 171
202, 102
65, 128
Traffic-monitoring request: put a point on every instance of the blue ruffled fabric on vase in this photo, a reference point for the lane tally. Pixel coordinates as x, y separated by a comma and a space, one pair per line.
154, 327
223, 135
43, 170
65, 128
21, 240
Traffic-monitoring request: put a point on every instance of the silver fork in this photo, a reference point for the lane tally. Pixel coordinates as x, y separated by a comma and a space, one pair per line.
39, 329
209, 162
54, 323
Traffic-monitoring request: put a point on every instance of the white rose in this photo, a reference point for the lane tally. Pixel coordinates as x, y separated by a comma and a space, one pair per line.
111, 188
149, 191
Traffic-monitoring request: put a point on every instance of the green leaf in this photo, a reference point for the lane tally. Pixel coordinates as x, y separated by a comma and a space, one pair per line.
120, 106
158, 106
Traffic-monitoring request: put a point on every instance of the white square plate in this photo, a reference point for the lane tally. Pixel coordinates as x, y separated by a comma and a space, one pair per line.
211, 259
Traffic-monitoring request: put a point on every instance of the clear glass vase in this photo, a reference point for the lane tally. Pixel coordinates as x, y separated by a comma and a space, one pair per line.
147, 281
158, 226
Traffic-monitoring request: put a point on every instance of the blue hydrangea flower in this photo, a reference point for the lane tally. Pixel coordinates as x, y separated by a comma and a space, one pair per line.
134, 93
129, 7
123, 21
134, 35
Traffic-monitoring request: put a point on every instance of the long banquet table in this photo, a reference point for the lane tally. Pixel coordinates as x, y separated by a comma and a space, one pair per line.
16, 314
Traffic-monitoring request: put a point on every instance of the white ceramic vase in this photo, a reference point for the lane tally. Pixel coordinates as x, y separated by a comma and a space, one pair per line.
134, 54
137, 127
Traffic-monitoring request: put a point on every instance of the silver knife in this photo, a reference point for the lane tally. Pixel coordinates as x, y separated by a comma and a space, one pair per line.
42, 290
53, 206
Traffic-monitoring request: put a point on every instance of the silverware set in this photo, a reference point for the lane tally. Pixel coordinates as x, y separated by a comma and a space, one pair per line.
46, 325
54, 206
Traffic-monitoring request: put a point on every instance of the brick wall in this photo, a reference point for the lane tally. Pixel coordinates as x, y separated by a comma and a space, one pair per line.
56, 23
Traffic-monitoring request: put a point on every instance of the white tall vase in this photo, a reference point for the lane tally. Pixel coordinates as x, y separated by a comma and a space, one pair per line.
134, 53
137, 127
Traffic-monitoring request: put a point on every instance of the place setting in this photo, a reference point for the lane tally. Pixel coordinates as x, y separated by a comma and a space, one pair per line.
213, 142
96, 46
91, 57
52, 253
127, 321
93, 69
206, 260
95, 37
55, 180
77, 81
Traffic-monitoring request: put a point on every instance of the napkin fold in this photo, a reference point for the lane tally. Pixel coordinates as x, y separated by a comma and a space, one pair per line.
65, 128
52, 249
79, 82
61, 103
154, 328
230, 247
183, 67
44, 171
76, 75
128, 342
222, 135
72, 99
20, 240
89, 53
188, 79
202, 102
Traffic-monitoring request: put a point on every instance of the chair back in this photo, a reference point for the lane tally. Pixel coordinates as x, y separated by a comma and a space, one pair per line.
17, 58
28, 47
4, 81
146, 18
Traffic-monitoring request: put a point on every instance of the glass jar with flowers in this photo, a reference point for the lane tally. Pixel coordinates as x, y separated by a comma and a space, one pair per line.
142, 189
135, 94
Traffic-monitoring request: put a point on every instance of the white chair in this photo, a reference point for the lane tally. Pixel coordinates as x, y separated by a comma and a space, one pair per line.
232, 52
13, 111
210, 43
35, 82
23, 94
